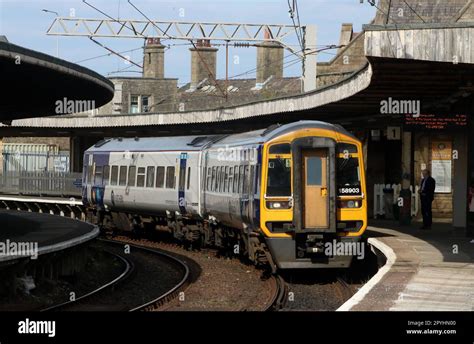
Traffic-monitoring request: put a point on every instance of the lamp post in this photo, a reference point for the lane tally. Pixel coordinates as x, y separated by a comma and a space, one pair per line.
57, 37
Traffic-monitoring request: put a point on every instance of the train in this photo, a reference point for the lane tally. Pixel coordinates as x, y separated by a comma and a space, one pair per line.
278, 196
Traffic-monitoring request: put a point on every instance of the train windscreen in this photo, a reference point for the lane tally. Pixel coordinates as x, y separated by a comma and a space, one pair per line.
348, 176
279, 177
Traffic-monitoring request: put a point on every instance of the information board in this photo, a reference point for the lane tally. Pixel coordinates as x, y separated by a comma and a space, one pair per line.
435, 122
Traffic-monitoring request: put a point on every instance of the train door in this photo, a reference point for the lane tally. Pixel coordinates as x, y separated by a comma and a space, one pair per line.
315, 195
182, 182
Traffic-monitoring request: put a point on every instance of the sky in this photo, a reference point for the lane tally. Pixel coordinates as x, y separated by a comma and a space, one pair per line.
24, 23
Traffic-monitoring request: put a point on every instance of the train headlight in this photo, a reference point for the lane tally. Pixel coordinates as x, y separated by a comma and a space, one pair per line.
278, 205
349, 204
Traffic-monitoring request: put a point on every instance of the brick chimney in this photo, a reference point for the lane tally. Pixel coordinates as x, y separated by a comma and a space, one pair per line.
203, 62
154, 59
269, 59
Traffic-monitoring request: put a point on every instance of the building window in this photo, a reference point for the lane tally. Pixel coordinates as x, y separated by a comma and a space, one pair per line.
145, 104
139, 103
134, 108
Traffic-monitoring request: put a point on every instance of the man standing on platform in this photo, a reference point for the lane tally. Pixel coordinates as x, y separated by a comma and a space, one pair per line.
427, 189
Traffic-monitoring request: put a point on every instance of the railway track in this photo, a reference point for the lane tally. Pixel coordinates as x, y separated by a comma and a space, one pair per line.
280, 293
325, 292
270, 290
293, 291
150, 279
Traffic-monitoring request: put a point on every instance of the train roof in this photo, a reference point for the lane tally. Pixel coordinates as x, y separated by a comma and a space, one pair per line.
196, 143
265, 135
169, 143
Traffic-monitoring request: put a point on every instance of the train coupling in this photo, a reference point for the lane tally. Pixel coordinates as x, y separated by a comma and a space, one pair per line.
312, 244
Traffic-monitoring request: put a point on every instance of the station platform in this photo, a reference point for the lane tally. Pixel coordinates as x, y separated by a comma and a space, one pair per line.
425, 270
48, 233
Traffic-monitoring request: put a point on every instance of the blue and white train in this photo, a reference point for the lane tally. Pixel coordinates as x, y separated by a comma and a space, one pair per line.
275, 195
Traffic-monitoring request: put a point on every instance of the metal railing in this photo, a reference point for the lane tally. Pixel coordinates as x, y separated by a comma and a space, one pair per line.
41, 183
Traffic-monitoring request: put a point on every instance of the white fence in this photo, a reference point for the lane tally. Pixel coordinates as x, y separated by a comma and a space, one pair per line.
41, 183
380, 203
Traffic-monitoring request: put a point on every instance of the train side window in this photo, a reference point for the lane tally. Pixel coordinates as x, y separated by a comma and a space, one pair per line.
226, 178
214, 179
257, 180
90, 173
236, 179
241, 178
160, 176
231, 179
123, 176
189, 178
132, 176
150, 176
222, 184
209, 179
252, 178
246, 179
114, 176
106, 175
141, 177
218, 177
170, 177
98, 175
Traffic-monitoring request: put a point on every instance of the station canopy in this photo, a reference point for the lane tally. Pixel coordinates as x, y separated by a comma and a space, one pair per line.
33, 83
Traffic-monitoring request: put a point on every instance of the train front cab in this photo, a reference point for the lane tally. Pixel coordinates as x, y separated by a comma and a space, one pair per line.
314, 196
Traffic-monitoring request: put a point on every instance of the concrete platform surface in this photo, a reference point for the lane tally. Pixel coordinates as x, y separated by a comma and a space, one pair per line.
48, 233
426, 270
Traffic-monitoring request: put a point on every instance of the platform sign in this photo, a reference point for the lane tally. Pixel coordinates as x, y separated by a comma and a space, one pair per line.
394, 133
441, 165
